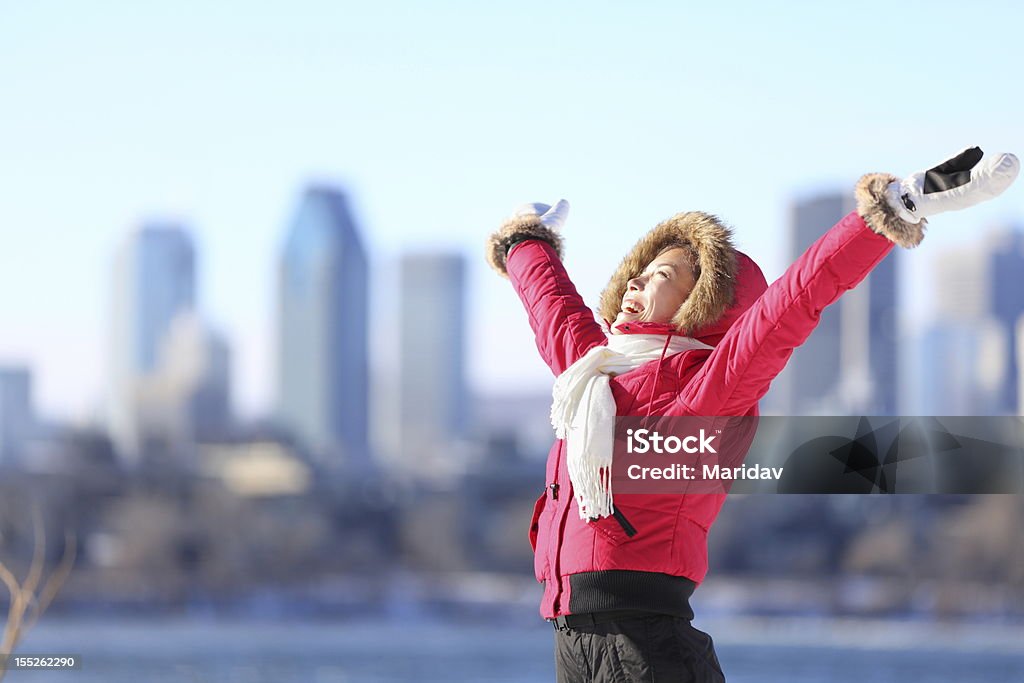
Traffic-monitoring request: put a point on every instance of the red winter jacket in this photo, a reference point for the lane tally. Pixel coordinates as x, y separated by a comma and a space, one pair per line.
653, 552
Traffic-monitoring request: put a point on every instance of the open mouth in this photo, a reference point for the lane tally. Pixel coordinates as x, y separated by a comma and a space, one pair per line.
632, 307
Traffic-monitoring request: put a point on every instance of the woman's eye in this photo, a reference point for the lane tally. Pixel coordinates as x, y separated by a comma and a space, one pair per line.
663, 273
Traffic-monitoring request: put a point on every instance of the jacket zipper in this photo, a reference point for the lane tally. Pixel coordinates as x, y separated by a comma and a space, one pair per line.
624, 523
558, 524
630, 529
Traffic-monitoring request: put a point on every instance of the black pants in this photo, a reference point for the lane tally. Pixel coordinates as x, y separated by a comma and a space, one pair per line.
653, 648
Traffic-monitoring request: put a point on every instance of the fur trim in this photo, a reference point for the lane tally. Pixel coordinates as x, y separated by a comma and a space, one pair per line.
874, 208
515, 230
715, 288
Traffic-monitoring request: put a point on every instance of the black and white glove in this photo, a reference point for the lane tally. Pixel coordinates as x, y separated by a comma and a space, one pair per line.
957, 183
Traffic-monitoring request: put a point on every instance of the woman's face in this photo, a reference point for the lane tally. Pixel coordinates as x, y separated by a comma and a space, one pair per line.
657, 293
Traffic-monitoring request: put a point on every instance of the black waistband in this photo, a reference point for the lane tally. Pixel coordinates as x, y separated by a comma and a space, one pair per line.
569, 621
620, 589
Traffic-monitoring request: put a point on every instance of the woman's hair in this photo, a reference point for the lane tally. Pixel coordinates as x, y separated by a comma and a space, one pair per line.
692, 259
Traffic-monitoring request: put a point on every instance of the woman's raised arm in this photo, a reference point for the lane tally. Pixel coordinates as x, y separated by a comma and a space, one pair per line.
527, 249
889, 211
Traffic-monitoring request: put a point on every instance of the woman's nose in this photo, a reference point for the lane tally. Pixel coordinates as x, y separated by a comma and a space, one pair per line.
636, 284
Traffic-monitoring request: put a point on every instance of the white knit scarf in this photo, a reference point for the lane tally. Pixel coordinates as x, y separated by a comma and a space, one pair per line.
583, 411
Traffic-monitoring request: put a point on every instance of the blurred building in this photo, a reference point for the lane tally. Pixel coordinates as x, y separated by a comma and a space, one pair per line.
979, 303
197, 359
186, 398
849, 363
1019, 351
256, 468
322, 330
153, 281
958, 368
17, 418
433, 402
869, 342
517, 423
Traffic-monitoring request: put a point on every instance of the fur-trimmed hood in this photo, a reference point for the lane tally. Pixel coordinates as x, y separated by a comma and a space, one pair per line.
728, 285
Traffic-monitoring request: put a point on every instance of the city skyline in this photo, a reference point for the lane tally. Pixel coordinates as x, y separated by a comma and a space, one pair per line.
957, 294
110, 123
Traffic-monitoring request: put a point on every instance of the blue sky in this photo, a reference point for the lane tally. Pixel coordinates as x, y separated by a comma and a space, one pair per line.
440, 118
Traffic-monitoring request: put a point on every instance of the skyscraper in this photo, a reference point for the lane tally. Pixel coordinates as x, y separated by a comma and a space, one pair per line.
979, 288
322, 330
154, 281
432, 380
849, 363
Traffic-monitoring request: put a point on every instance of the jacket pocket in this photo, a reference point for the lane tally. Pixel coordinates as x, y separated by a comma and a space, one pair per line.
538, 508
624, 523
617, 528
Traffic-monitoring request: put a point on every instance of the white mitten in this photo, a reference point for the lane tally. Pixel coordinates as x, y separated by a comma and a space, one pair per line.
552, 217
528, 222
957, 183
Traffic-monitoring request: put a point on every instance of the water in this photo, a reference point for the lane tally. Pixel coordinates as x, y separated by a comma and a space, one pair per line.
501, 650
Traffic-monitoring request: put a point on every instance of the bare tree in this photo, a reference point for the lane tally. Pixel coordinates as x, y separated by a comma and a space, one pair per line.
30, 597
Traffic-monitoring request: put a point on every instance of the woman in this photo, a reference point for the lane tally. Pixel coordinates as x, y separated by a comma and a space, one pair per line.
691, 328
